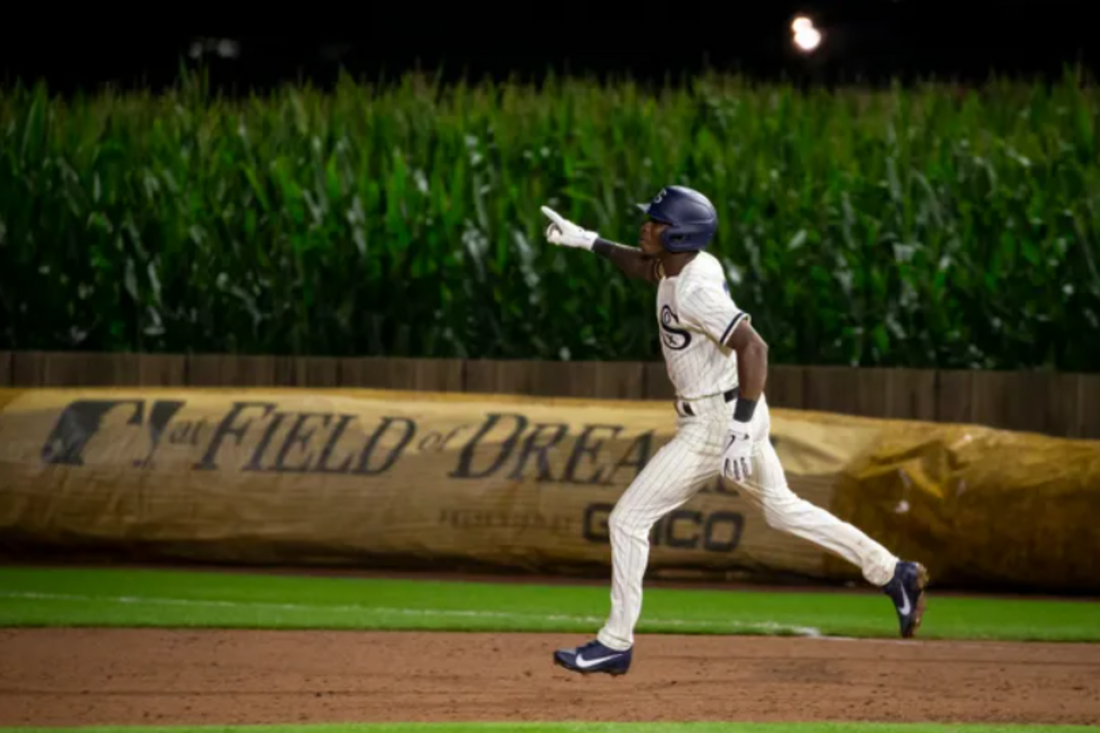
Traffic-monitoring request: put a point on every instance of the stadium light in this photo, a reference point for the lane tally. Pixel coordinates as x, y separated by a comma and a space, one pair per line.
806, 37
808, 40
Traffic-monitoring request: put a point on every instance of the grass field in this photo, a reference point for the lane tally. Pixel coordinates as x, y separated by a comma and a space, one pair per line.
50, 597
587, 728
147, 598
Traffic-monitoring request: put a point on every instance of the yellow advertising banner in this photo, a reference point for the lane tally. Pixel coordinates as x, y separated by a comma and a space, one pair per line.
446, 480
985, 507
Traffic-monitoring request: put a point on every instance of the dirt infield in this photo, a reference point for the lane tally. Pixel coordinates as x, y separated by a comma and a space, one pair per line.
133, 676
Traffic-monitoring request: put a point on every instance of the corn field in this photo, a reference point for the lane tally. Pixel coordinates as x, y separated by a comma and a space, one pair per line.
927, 227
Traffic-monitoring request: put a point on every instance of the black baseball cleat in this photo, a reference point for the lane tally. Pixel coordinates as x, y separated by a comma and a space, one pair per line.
906, 590
594, 657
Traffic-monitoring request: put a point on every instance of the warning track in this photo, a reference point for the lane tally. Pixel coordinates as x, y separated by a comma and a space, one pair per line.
62, 677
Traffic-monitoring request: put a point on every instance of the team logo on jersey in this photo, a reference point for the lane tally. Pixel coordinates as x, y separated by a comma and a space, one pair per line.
674, 338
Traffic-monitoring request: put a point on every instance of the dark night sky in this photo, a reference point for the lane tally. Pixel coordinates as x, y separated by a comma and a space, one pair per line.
865, 41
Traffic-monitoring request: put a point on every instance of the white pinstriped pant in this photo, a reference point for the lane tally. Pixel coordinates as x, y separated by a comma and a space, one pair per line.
681, 468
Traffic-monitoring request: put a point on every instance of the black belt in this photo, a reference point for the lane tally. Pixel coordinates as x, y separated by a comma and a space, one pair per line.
729, 395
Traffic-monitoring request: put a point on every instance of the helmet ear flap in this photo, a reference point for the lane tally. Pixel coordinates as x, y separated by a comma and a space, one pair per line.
672, 236
668, 238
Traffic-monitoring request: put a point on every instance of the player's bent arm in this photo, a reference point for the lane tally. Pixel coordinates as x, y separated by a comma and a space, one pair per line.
632, 261
752, 367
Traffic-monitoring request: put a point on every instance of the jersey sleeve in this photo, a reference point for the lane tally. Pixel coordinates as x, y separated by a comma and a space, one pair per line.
710, 308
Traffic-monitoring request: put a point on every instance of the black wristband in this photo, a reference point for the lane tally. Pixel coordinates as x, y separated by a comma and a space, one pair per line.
744, 410
602, 247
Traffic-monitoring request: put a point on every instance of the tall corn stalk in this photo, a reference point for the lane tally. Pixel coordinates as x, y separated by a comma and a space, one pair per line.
920, 227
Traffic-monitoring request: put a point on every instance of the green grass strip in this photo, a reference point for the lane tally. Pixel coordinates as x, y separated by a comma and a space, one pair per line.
147, 598
702, 727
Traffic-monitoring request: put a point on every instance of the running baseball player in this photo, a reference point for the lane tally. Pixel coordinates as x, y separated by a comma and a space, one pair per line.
718, 365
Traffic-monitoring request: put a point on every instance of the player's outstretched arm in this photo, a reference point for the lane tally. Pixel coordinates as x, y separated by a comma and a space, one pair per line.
631, 261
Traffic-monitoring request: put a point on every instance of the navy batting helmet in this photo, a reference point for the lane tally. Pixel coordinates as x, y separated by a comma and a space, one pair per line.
690, 215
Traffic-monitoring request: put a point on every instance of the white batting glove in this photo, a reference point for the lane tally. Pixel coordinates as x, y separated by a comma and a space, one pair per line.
737, 457
567, 234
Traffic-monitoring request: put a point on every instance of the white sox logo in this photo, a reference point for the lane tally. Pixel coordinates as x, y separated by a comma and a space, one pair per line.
676, 339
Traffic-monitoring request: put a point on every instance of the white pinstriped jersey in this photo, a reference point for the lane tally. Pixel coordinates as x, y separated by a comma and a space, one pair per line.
696, 316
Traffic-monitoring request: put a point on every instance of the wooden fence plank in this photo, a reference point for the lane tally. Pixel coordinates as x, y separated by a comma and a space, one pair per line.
230, 370
367, 372
591, 380
563, 379
61, 370
900, 394
162, 370
252, 371
786, 386
248, 371
1061, 406
620, 380
285, 372
913, 394
657, 384
78, 369
991, 395
1086, 424
204, 370
480, 377
891, 393
870, 397
421, 375
833, 389
28, 368
488, 376
319, 371
954, 398
6, 359
439, 375
1039, 402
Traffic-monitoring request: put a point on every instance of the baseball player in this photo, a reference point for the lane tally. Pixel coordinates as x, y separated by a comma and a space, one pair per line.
718, 364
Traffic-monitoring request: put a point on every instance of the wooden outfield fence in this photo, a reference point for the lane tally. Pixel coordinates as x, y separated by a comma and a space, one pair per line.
1065, 405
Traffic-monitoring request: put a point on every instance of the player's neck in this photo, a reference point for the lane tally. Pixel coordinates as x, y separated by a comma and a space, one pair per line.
673, 263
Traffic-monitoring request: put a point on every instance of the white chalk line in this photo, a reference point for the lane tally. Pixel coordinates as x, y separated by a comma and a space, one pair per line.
762, 626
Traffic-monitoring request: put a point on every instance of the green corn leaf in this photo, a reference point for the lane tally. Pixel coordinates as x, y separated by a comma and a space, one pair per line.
878, 228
